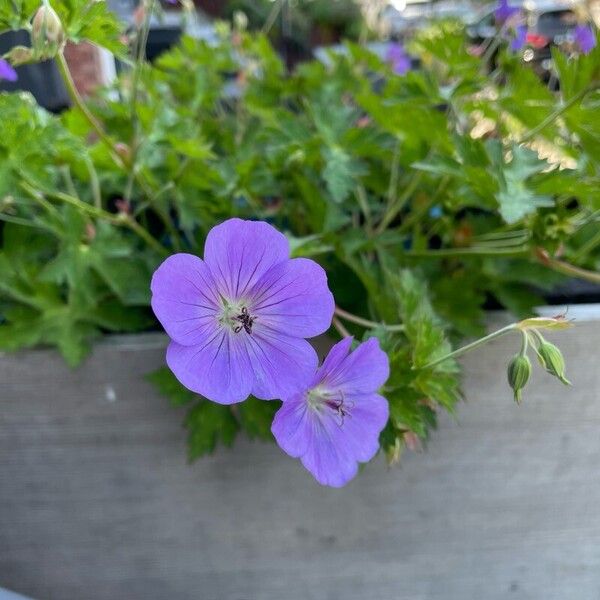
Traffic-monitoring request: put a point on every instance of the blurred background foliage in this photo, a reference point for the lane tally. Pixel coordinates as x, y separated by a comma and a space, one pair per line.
428, 197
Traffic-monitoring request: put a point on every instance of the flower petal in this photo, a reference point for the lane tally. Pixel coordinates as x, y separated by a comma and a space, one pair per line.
239, 253
363, 371
291, 426
282, 365
219, 369
368, 415
184, 299
293, 298
327, 457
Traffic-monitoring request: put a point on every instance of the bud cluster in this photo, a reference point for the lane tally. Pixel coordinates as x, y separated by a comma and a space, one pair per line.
550, 357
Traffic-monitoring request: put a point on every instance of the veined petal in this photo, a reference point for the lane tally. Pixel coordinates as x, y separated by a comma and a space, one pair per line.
327, 457
293, 298
360, 429
363, 371
291, 426
238, 253
184, 299
219, 369
282, 365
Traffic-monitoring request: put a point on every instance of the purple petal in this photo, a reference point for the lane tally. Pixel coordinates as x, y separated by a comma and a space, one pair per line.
327, 457
291, 426
368, 416
219, 369
184, 299
585, 38
363, 371
6, 71
281, 365
293, 298
504, 12
402, 65
239, 253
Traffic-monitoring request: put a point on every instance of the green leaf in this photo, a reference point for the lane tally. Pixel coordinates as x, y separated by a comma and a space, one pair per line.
209, 424
168, 385
256, 417
515, 198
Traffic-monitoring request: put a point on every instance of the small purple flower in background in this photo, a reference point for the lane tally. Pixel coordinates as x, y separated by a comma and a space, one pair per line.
238, 318
335, 423
504, 12
397, 57
6, 71
585, 39
519, 38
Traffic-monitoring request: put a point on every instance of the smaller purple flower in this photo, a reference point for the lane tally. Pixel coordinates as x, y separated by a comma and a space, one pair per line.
6, 71
335, 423
585, 39
504, 12
397, 57
519, 38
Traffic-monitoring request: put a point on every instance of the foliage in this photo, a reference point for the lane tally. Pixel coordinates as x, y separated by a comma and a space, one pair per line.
416, 193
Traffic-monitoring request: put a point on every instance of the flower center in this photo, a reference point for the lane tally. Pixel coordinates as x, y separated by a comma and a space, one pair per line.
330, 402
236, 316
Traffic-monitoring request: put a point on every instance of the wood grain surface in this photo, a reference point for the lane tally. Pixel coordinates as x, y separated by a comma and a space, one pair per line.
98, 503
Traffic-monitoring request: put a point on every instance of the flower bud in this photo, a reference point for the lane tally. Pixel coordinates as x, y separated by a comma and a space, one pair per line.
552, 360
519, 370
47, 32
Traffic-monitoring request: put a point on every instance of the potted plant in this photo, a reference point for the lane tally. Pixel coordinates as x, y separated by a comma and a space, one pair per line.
424, 195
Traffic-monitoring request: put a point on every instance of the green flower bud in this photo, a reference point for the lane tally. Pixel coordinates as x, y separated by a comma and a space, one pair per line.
519, 370
552, 360
47, 32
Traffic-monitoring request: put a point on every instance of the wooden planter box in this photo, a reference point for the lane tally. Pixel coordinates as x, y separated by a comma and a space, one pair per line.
98, 503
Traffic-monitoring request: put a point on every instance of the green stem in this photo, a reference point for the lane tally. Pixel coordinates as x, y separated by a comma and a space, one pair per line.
340, 328
395, 207
473, 251
365, 322
558, 112
471, 346
569, 269
77, 100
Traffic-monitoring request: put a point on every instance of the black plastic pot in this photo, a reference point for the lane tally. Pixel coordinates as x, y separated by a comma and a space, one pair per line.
41, 79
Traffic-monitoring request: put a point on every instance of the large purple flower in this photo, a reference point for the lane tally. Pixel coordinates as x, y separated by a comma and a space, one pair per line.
6, 71
238, 318
335, 422
585, 39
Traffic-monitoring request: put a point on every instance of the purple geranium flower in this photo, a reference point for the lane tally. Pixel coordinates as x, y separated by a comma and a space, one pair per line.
238, 318
335, 422
585, 39
398, 58
504, 12
519, 38
6, 71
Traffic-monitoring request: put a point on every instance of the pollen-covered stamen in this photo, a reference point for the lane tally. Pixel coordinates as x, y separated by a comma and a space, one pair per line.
246, 321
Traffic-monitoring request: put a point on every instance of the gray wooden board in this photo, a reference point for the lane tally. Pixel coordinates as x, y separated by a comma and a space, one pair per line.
97, 501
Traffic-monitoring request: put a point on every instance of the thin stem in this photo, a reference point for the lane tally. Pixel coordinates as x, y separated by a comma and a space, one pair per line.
39, 198
569, 269
272, 16
94, 182
365, 322
471, 346
588, 247
63, 68
363, 201
395, 207
472, 251
558, 112
340, 328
